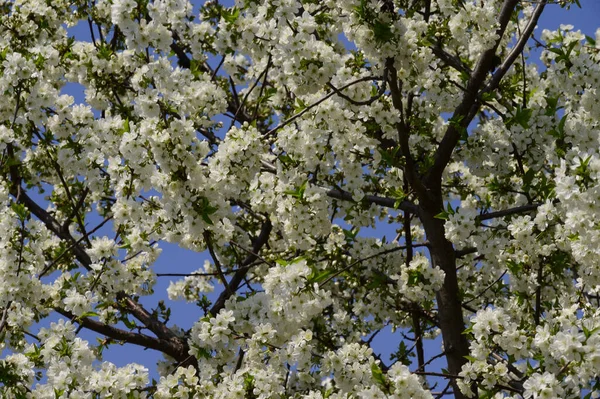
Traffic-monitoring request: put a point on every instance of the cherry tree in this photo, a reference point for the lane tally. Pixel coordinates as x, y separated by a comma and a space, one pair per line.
278, 136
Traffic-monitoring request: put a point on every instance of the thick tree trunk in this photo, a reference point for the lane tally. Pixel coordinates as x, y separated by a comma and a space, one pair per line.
448, 298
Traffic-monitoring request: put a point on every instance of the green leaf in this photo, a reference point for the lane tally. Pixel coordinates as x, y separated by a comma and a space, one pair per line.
588, 333
449, 209
105, 51
299, 192
377, 281
203, 207
318, 276
522, 117
20, 210
128, 323
350, 234
514, 267
300, 105
551, 105
362, 11
379, 377
197, 68
231, 15
204, 353
382, 32
126, 243
456, 123
390, 156
590, 40
399, 195
415, 277
556, 50
488, 96
528, 177
403, 354
88, 314
442, 215
561, 125
249, 385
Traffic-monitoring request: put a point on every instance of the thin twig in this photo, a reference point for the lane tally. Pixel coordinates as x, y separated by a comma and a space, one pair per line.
316, 103
486, 288
72, 246
351, 265
248, 251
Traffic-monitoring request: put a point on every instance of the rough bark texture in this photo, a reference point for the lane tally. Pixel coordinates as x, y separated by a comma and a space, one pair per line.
448, 298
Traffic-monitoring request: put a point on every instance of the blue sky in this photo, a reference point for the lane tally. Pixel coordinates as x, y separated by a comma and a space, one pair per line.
176, 260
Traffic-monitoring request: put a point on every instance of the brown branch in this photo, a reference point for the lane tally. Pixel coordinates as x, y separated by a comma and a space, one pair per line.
468, 107
359, 261
517, 50
249, 252
374, 199
4, 318
73, 245
52, 224
238, 364
416, 319
262, 88
316, 103
138, 311
243, 103
239, 276
166, 346
486, 289
508, 212
497, 214
411, 307
184, 61
450, 59
212, 274
538, 294
519, 159
213, 255
448, 298
380, 92
74, 204
445, 391
443, 375
410, 171
431, 360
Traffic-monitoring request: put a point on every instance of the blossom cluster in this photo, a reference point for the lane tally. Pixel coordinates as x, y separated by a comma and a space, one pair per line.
280, 138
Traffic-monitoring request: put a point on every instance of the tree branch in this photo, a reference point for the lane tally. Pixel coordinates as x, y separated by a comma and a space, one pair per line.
508, 212
374, 199
467, 109
450, 59
497, 214
316, 103
52, 224
184, 61
517, 50
138, 311
166, 346
238, 277
380, 92
403, 130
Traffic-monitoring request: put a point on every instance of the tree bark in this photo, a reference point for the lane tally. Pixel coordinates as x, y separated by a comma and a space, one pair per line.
448, 298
